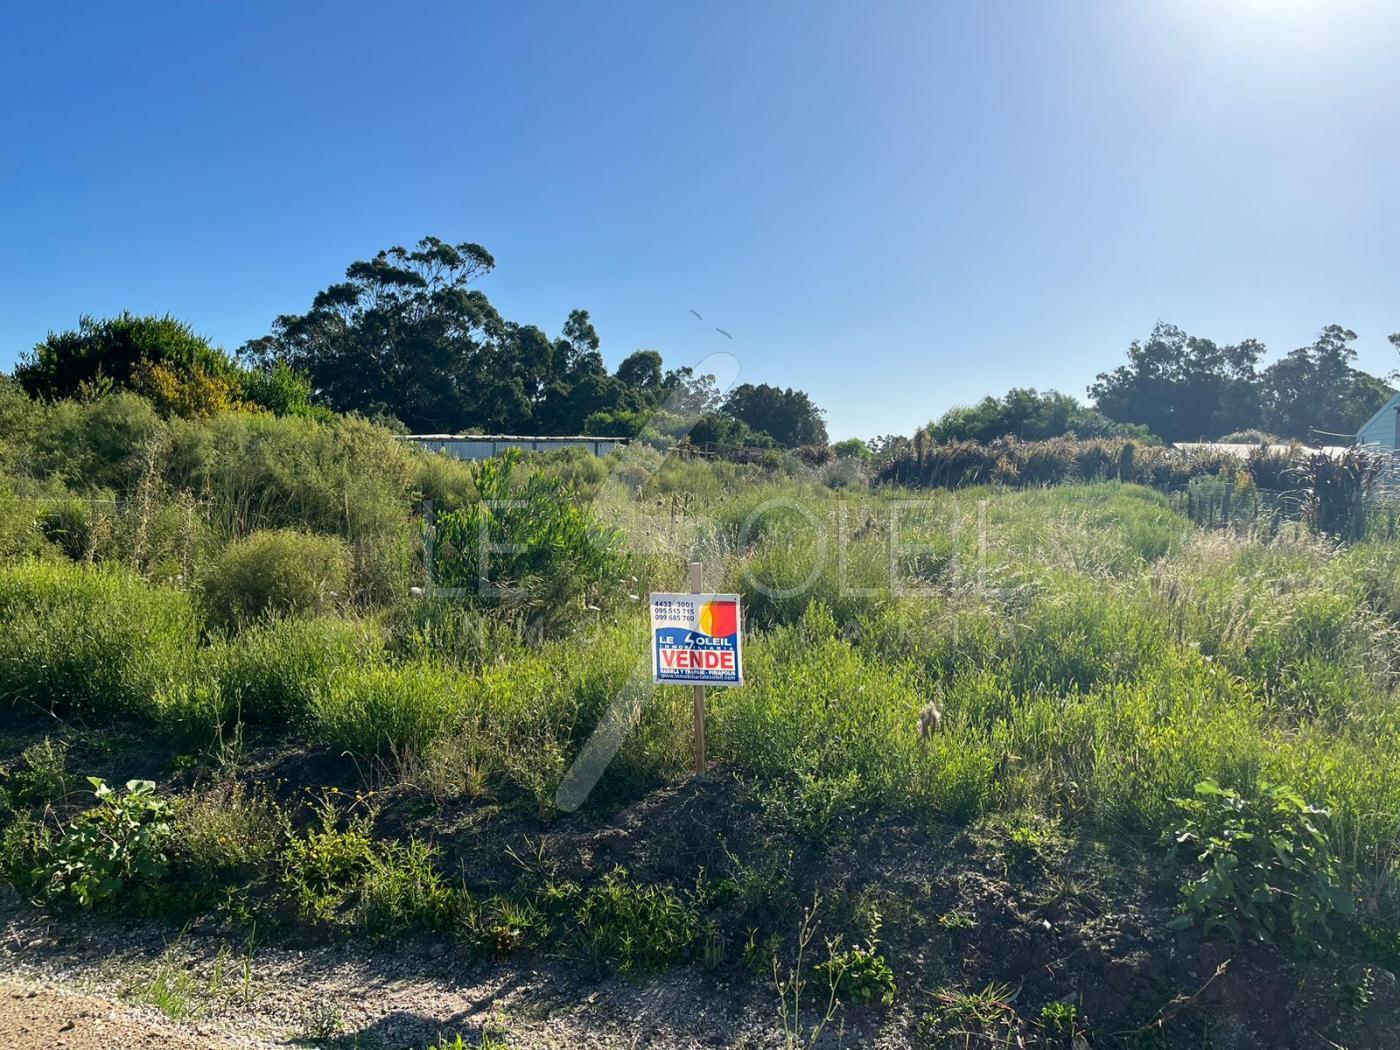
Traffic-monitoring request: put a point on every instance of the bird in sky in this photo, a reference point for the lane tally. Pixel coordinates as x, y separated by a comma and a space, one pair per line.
722, 332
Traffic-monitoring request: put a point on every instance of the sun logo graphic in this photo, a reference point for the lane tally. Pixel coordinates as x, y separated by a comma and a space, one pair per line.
719, 618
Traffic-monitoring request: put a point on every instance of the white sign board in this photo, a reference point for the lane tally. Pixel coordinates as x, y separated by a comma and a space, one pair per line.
696, 639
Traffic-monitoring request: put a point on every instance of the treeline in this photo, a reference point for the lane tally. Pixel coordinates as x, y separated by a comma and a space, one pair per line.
1185, 388
1029, 415
406, 340
1180, 387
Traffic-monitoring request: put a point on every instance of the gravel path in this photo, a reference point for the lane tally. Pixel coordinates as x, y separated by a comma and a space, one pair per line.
34, 1015
106, 977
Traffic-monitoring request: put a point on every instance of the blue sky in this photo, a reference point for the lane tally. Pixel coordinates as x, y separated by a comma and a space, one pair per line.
897, 207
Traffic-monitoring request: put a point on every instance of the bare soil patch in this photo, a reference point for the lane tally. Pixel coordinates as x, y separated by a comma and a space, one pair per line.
41, 1016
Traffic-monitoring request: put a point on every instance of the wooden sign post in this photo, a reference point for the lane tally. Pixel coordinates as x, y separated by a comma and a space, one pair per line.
697, 640
697, 586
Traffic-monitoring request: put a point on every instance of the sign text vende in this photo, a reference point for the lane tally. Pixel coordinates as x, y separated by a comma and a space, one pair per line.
697, 659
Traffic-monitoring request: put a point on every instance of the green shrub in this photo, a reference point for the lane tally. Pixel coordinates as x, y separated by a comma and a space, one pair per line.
226, 831
337, 873
323, 867
26, 843
449, 630
99, 444
401, 891
20, 418
444, 481
276, 572
20, 534
167, 541
344, 477
1269, 874
619, 923
92, 640
112, 351
77, 527
41, 777
282, 391
557, 554
501, 926
119, 844
813, 806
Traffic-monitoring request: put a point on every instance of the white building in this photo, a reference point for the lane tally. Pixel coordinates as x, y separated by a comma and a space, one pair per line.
1382, 431
484, 446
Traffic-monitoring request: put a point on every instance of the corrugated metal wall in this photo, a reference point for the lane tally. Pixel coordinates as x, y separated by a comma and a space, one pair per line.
484, 446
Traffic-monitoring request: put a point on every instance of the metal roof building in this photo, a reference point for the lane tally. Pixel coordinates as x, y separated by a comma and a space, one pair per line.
484, 446
1383, 429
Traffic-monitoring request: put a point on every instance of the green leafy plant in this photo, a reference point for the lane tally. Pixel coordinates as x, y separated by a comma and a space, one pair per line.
1032, 842
527, 545
1356, 995
860, 973
1060, 1022
1268, 872
119, 843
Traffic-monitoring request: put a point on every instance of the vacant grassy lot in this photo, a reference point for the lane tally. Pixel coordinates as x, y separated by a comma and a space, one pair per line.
1012, 766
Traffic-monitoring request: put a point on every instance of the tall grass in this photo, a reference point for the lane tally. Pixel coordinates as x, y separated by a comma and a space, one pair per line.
273, 673
377, 710
1093, 653
97, 641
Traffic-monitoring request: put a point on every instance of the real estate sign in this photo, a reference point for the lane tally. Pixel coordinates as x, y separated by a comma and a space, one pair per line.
695, 639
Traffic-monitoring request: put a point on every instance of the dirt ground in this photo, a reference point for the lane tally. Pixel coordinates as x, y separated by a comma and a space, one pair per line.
37, 1016
98, 974
966, 912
